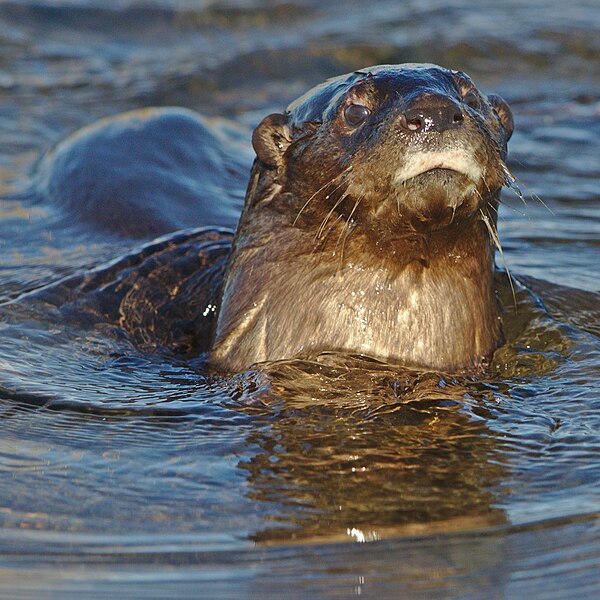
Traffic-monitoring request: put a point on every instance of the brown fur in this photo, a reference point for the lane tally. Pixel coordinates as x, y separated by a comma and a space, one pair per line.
336, 251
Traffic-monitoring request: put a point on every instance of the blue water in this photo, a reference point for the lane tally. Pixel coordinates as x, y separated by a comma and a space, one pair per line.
132, 470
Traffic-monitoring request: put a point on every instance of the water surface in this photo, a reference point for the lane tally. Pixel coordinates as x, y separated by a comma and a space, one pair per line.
132, 470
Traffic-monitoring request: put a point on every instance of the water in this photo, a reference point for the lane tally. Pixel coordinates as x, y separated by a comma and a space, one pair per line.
129, 469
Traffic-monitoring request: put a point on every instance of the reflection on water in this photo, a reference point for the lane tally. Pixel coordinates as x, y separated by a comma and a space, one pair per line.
359, 449
126, 467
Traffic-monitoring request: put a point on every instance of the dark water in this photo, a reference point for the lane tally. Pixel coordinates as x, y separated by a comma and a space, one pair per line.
129, 469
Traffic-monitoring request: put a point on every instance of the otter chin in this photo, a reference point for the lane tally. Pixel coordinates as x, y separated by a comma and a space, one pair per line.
369, 225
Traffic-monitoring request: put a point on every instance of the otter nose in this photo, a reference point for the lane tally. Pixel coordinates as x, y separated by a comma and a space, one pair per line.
431, 113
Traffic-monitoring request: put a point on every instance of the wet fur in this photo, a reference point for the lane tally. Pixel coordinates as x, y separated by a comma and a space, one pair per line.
335, 252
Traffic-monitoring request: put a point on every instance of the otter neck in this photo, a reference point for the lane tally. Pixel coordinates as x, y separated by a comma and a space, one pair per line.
425, 301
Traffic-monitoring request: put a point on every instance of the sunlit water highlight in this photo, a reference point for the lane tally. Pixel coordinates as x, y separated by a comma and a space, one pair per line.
129, 470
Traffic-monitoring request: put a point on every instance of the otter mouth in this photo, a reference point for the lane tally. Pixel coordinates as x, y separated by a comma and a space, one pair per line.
439, 165
440, 173
438, 189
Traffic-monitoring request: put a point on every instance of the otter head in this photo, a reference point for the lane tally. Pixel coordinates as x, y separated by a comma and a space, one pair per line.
393, 149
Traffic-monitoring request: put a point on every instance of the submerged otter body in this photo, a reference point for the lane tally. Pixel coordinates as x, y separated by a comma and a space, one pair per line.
368, 225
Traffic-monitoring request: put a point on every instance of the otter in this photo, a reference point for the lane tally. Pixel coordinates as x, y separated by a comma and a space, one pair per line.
369, 225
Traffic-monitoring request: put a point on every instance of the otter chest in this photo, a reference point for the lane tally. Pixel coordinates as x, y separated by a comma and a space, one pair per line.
418, 318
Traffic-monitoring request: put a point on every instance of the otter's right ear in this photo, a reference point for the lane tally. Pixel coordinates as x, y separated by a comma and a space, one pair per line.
271, 139
503, 111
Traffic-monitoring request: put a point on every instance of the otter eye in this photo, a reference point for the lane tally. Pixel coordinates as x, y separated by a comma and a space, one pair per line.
355, 114
472, 100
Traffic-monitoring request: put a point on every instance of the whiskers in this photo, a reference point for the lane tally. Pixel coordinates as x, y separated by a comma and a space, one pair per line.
347, 230
492, 230
341, 175
512, 183
329, 223
328, 216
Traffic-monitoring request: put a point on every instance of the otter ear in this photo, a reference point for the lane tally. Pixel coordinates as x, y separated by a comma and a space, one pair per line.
503, 111
271, 139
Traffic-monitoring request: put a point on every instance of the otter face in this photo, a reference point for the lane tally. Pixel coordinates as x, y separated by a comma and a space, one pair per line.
393, 148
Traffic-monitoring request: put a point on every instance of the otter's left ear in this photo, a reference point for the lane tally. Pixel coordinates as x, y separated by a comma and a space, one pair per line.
503, 111
271, 139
